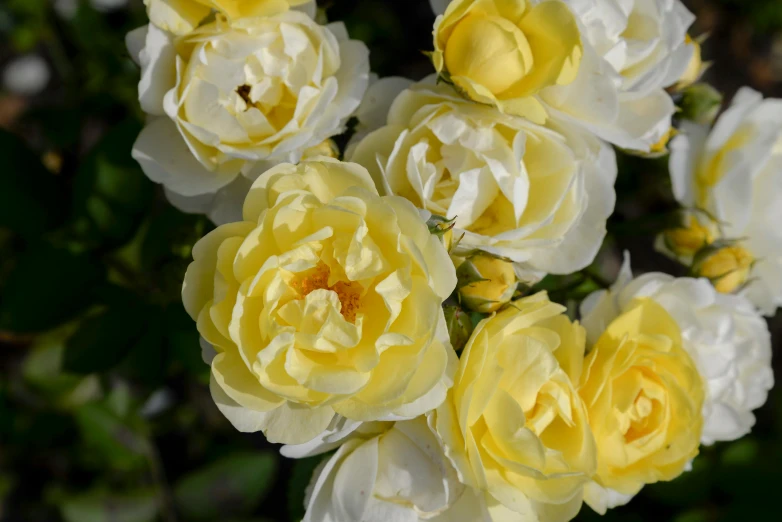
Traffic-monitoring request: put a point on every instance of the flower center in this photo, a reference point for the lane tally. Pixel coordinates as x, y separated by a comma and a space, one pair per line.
349, 293
244, 93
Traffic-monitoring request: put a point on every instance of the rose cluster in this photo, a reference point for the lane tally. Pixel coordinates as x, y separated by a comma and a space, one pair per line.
387, 310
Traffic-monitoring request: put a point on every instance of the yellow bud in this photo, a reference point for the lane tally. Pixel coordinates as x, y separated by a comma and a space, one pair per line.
488, 283
728, 268
687, 240
696, 67
327, 148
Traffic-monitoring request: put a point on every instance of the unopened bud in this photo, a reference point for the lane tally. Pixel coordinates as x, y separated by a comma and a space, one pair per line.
486, 283
442, 228
696, 67
728, 268
326, 148
686, 241
700, 103
459, 325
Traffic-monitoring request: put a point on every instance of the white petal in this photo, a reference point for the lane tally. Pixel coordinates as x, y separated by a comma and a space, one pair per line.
165, 158
373, 111
158, 67
602, 499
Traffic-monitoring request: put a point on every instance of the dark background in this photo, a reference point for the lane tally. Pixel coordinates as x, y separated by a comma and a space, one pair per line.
104, 411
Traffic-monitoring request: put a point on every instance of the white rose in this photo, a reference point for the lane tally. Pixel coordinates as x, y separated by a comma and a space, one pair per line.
632, 50
728, 340
393, 475
228, 101
734, 172
645, 41
636, 49
537, 195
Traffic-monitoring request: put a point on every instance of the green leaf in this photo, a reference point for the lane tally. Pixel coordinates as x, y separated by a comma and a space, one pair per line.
301, 476
111, 439
111, 193
183, 341
476, 318
167, 248
105, 339
47, 287
31, 198
232, 486
60, 126
42, 369
687, 490
695, 515
139, 506
741, 453
146, 360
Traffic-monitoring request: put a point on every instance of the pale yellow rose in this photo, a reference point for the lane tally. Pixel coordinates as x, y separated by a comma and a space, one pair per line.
326, 299
644, 396
514, 425
538, 196
182, 16
504, 52
234, 98
491, 283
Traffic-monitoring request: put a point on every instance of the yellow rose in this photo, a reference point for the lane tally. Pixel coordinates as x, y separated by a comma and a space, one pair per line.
644, 397
513, 424
504, 52
491, 283
728, 268
182, 16
326, 299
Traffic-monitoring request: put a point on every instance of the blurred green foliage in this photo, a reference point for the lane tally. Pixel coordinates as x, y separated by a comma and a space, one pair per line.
105, 413
765, 15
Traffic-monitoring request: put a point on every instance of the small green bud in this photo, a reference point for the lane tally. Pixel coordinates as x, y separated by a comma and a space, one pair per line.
700, 103
460, 326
